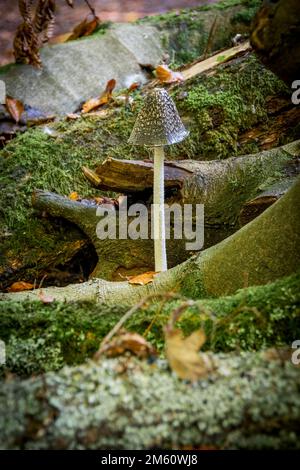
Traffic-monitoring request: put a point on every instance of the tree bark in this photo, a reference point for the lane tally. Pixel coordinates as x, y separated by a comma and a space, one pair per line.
263, 200
223, 187
124, 404
261, 251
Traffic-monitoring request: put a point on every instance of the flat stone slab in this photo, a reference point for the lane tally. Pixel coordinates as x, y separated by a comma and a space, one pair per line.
78, 70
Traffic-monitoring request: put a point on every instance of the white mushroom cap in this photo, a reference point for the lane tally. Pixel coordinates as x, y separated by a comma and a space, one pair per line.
158, 122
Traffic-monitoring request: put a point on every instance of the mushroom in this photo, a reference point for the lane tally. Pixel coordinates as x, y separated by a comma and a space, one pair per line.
158, 124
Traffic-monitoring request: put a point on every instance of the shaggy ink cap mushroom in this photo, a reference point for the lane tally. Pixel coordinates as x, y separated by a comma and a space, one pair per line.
158, 122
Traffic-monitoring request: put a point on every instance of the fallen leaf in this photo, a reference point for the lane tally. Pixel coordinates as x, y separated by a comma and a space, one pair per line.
46, 299
85, 28
20, 286
61, 38
183, 356
143, 278
14, 107
166, 75
126, 341
133, 86
92, 104
110, 86
104, 98
74, 196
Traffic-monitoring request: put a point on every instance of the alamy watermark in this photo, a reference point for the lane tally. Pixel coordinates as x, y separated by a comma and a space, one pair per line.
181, 222
2, 352
2, 92
296, 354
296, 93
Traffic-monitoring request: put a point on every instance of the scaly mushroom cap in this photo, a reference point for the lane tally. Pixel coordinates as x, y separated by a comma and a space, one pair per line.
158, 122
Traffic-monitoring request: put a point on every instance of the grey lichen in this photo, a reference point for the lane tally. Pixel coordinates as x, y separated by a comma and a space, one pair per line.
243, 404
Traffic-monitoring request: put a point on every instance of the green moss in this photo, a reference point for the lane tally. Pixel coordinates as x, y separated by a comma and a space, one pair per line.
56, 333
225, 105
33, 355
247, 14
53, 161
40, 337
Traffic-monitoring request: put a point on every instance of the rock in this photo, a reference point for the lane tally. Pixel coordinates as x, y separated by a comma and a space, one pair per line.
78, 70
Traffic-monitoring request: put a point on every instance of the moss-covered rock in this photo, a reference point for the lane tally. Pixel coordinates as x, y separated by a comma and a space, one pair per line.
185, 34
41, 337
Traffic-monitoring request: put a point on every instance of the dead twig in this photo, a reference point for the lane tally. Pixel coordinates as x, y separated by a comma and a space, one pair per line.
128, 314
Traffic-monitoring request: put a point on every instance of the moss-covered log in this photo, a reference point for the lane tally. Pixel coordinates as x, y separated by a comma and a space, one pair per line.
222, 186
275, 38
42, 337
249, 401
261, 251
237, 108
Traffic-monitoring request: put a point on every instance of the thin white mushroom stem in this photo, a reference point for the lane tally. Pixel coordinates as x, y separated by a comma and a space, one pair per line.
159, 211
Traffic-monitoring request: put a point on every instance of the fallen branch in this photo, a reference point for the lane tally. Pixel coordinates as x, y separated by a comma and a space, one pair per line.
264, 250
127, 315
215, 60
222, 186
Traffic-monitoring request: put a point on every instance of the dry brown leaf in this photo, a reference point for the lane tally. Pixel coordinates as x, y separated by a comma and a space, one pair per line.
143, 278
183, 356
60, 38
104, 98
14, 107
166, 75
74, 196
126, 341
133, 87
85, 28
19, 286
92, 104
